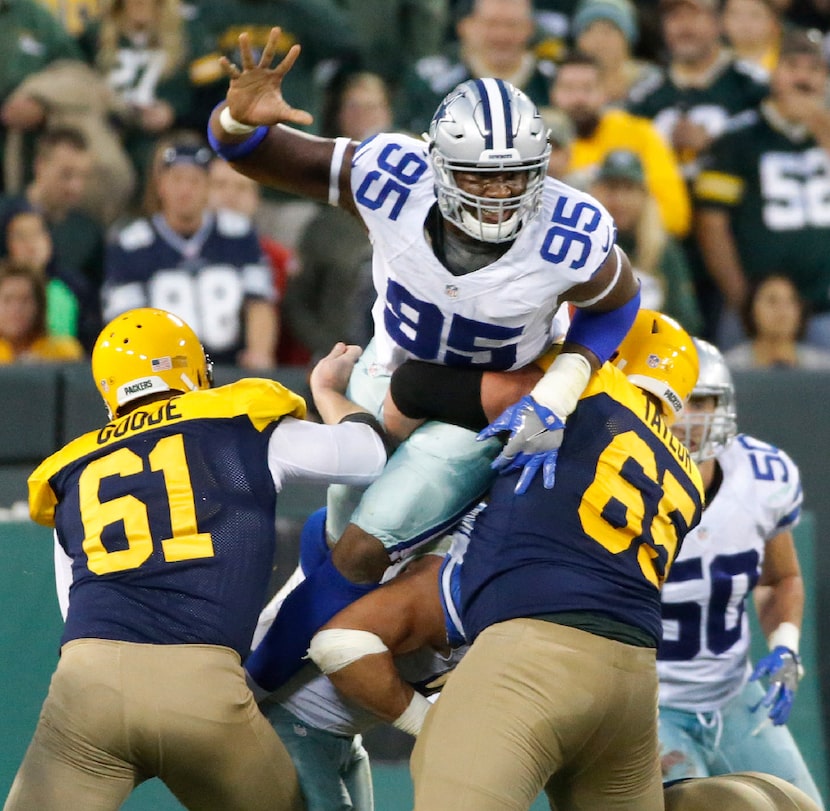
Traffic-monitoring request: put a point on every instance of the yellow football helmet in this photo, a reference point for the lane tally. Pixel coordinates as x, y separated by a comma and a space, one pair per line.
658, 355
146, 350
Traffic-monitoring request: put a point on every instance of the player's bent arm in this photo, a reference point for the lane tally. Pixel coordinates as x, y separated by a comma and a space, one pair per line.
302, 164
470, 398
349, 453
356, 647
779, 595
605, 309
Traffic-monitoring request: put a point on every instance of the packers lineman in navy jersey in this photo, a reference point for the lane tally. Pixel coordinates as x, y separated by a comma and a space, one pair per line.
168, 516
475, 248
559, 592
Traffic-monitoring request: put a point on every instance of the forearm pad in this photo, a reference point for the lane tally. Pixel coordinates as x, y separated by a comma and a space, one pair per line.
426, 391
603, 332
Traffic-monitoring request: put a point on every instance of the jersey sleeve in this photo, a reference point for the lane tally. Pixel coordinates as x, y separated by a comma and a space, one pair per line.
42, 499
248, 255
777, 487
386, 170
787, 505
265, 401
348, 453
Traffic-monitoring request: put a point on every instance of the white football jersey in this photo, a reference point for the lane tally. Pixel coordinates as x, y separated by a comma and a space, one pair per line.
703, 659
498, 317
313, 698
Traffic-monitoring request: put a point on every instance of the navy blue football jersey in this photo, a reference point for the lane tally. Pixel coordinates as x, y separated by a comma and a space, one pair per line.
602, 540
205, 279
168, 515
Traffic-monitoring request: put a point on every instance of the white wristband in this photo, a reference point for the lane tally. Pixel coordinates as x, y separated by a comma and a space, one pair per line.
412, 718
786, 634
231, 125
563, 384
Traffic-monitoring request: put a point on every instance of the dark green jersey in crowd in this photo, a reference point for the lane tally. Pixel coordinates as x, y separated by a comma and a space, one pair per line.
319, 26
774, 179
727, 102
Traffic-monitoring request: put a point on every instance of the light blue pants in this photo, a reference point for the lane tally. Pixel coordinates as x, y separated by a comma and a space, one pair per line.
733, 739
428, 483
333, 770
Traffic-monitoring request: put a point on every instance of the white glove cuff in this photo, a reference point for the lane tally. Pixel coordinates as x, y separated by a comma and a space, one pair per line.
412, 718
231, 125
563, 383
786, 634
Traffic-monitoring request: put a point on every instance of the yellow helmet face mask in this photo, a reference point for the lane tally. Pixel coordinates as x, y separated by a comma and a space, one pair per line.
145, 351
658, 355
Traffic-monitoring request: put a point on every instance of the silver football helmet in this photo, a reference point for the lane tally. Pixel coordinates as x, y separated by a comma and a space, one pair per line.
707, 434
486, 126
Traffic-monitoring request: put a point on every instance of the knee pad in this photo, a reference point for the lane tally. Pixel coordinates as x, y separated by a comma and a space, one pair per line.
742, 791
335, 648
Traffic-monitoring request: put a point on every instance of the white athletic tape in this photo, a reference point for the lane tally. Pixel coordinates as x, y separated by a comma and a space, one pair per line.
335, 648
786, 634
563, 384
412, 718
231, 125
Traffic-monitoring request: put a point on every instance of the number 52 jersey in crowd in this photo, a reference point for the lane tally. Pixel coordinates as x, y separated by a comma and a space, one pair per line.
498, 317
702, 661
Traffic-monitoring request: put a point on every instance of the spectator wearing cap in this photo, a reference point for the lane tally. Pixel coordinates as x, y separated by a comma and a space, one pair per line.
608, 31
657, 259
577, 90
206, 267
762, 198
752, 29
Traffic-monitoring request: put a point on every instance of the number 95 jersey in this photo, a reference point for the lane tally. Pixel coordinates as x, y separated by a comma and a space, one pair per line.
498, 317
702, 660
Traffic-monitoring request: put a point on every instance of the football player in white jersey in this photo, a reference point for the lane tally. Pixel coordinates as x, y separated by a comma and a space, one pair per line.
475, 249
715, 716
320, 726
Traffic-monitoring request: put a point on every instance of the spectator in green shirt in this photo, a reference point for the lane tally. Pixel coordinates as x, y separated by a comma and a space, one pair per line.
656, 257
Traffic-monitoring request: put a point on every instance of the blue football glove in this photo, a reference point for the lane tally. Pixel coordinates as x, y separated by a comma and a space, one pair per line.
535, 437
783, 667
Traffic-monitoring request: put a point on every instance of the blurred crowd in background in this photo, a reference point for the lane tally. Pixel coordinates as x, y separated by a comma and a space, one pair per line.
702, 126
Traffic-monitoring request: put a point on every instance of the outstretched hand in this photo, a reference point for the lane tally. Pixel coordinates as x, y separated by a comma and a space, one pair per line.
255, 93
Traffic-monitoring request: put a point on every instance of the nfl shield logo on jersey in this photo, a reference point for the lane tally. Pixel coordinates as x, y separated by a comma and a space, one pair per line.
451, 290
